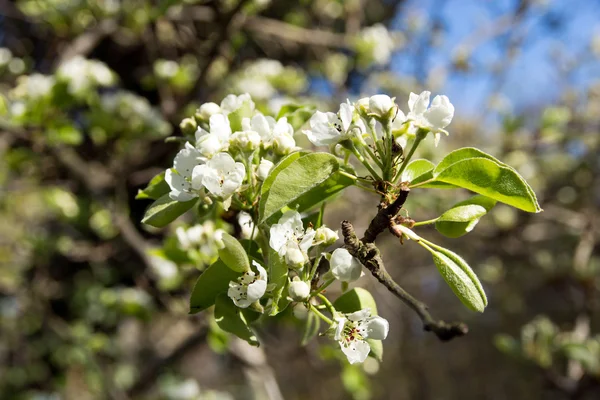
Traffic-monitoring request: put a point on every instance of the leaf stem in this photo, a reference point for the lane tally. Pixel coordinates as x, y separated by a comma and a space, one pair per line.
327, 303
429, 221
364, 162
319, 314
420, 136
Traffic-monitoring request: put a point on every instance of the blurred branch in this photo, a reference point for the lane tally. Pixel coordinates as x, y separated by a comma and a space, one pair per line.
87, 41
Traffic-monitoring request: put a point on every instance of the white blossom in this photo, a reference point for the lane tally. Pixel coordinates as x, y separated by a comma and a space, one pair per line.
433, 119
210, 143
289, 239
330, 128
249, 287
191, 237
245, 140
352, 329
221, 175
381, 105
379, 41
179, 178
207, 110
264, 168
247, 225
326, 236
298, 290
284, 143
344, 267
232, 103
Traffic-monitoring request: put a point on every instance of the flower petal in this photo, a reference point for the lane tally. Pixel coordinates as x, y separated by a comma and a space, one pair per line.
356, 351
376, 328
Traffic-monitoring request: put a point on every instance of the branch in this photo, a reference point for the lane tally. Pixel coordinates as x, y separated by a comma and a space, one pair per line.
368, 254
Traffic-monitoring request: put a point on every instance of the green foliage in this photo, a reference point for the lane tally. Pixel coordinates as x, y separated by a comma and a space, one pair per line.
213, 281
278, 273
233, 254
305, 182
462, 217
166, 210
157, 188
234, 320
459, 276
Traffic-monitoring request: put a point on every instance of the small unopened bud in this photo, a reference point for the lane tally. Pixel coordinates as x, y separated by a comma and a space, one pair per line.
284, 144
294, 258
206, 110
298, 290
245, 141
188, 126
382, 107
264, 169
326, 236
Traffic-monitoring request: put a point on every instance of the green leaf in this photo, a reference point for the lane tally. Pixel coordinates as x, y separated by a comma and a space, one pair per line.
155, 189
213, 281
355, 300
416, 169
462, 154
497, 181
287, 109
236, 117
231, 319
166, 210
278, 276
462, 217
303, 184
281, 165
253, 250
233, 254
459, 276
311, 327
296, 115
376, 349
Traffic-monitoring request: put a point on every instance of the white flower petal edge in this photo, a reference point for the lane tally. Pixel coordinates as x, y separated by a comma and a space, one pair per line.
289, 239
353, 329
344, 267
435, 118
249, 287
221, 175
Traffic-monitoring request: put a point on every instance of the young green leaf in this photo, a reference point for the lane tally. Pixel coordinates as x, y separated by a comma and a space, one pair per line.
165, 210
463, 216
497, 181
459, 276
281, 165
278, 275
302, 184
355, 300
311, 327
155, 189
416, 169
213, 281
233, 254
233, 320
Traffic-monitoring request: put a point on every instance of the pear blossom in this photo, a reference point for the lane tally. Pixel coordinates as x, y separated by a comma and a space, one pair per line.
284, 143
245, 140
289, 239
351, 330
330, 128
232, 103
264, 168
221, 175
207, 110
379, 41
326, 236
298, 290
344, 267
249, 287
191, 237
210, 143
433, 119
247, 225
381, 105
179, 178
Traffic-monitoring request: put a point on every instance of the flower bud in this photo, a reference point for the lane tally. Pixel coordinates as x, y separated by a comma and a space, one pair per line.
300, 311
344, 267
294, 258
382, 106
206, 110
298, 290
326, 236
245, 141
264, 169
188, 126
284, 144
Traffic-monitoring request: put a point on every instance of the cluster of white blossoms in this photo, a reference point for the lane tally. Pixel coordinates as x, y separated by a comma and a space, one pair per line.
228, 157
363, 119
352, 330
82, 75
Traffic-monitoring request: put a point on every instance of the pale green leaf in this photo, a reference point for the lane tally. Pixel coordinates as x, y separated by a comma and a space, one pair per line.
156, 188
462, 217
165, 210
278, 276
355, 300
213, 281
233, 254
232, 319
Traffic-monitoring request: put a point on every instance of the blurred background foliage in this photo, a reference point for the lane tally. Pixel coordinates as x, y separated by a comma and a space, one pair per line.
93, 305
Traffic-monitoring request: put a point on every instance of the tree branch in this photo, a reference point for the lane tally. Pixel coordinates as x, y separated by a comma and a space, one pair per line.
368, 254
